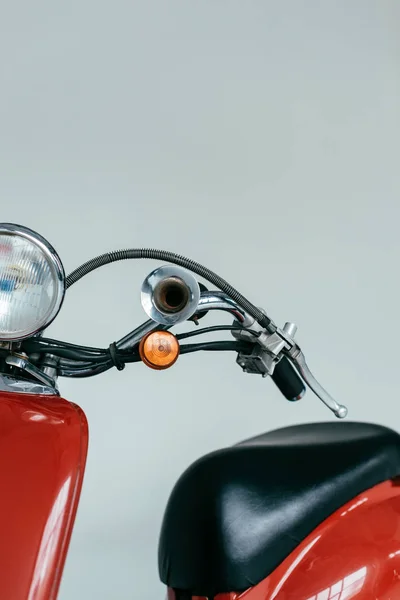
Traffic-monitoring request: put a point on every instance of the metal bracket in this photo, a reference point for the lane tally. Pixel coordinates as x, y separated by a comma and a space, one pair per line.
22, 386
21, 361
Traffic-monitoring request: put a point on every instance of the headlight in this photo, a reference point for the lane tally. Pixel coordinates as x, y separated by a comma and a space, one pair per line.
32, 282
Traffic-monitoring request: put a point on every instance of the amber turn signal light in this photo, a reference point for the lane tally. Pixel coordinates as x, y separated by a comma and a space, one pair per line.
159, 350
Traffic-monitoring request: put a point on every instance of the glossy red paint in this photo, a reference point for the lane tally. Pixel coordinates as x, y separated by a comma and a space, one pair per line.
43, 448
354, 554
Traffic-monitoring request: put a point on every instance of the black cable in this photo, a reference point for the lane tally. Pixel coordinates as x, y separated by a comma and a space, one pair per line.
188, 334
68, 363
82, 371
46, 344
66, 344
216, 347
65, 350
112, 357
72, 354
88, 354
171, 257
92, 361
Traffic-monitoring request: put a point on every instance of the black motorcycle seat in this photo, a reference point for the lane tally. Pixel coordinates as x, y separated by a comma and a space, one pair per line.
237, 513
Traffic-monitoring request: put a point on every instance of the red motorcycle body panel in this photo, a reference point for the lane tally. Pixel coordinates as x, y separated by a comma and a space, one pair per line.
43, 448
354, 554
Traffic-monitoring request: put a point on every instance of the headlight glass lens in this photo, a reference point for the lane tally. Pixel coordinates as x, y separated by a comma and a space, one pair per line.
32, 282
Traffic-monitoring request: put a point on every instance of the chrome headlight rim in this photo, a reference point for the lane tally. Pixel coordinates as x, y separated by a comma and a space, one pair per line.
56, 266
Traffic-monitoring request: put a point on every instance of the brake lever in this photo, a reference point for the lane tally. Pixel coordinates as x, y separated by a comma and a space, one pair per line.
298, 360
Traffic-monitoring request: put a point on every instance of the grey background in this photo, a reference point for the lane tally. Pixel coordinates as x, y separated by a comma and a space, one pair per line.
260, 138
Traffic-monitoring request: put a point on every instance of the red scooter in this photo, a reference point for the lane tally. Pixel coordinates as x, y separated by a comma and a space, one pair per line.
310, 512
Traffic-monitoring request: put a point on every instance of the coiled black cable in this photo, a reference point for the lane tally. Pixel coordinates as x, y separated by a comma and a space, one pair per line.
177, 259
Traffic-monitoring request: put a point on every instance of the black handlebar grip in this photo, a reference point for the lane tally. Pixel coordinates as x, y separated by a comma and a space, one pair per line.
288, 381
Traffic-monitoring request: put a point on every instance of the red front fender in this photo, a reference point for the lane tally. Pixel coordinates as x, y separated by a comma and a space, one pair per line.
43, 449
